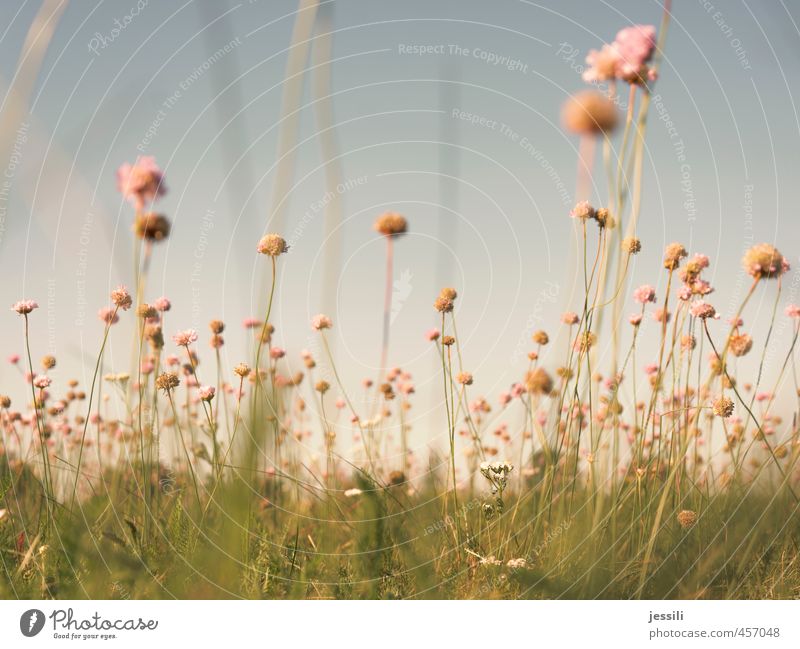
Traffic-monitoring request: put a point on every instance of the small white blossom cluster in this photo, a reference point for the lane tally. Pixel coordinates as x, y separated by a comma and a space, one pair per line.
497, 474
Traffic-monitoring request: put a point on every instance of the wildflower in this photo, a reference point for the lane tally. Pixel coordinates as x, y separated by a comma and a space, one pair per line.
723, 407
108, 315
152, 227
320, 322
241, 370
661, 315
121, 298
146, 311
604, 218
464, 378
603, 64
635, 319
391, 224
216, 326
13, 359
443, 304
764, 261
491, 560
582, 210
272, 245
167, 381
24, 307
447, 341
793, 311
644, 294
141, 182
207, 392
185, 338
673, 254
703, 310
322, 387
540, 337
740, 344
432, 335
48, 362
688, 341
687, 518
539, 381
5, 401
42, 381
569, 318
277, 353
162, 304
631, 245
448, 293
589, 113
635, 45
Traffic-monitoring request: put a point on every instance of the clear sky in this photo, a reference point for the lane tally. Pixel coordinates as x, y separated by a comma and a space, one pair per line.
198, 85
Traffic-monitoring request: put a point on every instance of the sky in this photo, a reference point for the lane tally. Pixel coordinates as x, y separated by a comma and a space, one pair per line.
445, 111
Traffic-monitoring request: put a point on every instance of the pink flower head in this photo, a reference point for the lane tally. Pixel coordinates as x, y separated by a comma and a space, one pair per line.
432, 334
644, 294
147, 367
700, 260
367, 383
24, 307
121, 298
793, 311
185, 338
13, 359
569, 317
582, 210
277, 352
207, 392
141, 182
320, 322
162, 304
735, 322
635, 319
603, 64
517, 390
340, 403
251, 323
704, 310
172, 360
661, 315
108, 315
504, 398
652, 368
635, 46
685, 293
42, 381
